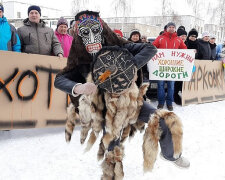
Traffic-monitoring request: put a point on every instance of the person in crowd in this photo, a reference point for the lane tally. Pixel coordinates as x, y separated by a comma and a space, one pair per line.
72, 78
182, 33
135, 36
36, 37
9, 39
161, 32
118, 33
192, 41
220, 51
178, 84
204, 51
144, 39
212, 43
64, 38
168, 40
72, 29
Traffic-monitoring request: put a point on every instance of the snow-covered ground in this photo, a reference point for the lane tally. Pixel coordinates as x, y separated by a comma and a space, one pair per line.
43, 154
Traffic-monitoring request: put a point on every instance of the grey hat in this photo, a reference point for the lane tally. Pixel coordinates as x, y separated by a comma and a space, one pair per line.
171, 24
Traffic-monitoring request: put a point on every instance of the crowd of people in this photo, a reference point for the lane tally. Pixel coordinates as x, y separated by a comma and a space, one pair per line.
36, 38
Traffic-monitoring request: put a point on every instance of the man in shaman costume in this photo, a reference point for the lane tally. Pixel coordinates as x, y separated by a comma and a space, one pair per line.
118, 114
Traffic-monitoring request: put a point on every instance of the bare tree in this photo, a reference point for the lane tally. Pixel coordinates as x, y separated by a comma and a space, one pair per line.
199, 7
122, 7
78, 5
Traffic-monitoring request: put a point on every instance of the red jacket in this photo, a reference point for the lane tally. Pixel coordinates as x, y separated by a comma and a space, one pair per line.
169, 41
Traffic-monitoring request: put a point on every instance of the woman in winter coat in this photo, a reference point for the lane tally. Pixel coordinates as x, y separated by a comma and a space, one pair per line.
64, 38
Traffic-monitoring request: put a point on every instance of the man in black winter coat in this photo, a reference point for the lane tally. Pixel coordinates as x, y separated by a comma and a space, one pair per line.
204, 51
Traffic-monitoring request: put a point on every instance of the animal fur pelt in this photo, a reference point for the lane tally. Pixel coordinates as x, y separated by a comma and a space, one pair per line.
112, 165
72, 121
153, 133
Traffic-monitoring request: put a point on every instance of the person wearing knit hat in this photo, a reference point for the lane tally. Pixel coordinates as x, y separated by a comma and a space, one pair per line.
34, 7
64, 38
171, 24
204, 51
118, 32
9, 39
36, 37
182, 33
62, 21
135, 36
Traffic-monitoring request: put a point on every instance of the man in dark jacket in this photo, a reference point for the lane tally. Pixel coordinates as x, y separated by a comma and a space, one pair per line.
212, 43
36, 37
93, 34
204, 51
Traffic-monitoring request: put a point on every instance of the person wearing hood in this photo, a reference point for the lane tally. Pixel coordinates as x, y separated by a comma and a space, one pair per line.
220, 51
204, 51
9, 39
36, 37
135, 36
168, 40
64, 38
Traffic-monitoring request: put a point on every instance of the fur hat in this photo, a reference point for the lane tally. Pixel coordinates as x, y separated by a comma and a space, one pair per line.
117, 31
193, 32
34, 7
171, 24
1, 7
61, 21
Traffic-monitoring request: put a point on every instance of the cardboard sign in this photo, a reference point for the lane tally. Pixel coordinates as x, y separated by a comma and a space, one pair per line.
172, 65
206, 85
28, 98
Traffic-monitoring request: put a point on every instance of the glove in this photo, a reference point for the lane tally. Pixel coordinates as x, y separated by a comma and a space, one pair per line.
86, 88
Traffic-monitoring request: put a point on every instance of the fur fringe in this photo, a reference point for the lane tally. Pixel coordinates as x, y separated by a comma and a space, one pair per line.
71, 121
153, 133
112, 165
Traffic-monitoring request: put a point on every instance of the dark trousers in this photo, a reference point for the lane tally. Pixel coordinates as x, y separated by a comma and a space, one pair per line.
165, 141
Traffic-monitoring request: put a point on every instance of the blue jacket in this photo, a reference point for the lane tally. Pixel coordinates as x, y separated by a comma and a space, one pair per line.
9, 39
219, 51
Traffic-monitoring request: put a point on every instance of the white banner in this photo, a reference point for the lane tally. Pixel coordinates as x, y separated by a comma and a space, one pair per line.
172, 65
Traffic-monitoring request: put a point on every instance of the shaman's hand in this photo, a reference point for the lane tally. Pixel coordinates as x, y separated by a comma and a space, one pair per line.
86, 88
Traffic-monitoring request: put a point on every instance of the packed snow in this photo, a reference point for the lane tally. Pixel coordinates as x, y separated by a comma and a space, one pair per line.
43, 154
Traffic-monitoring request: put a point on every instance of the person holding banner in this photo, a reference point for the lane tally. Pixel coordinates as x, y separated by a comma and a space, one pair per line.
9, 38
36, 37
94, 39
168, 40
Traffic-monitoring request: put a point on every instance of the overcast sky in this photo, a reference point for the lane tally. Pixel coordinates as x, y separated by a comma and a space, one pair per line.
138, 7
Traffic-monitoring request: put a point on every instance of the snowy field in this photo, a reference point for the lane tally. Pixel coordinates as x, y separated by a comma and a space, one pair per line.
43, 154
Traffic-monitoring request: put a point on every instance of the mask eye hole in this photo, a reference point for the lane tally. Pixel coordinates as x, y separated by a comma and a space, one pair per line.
95, 29
84, 32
